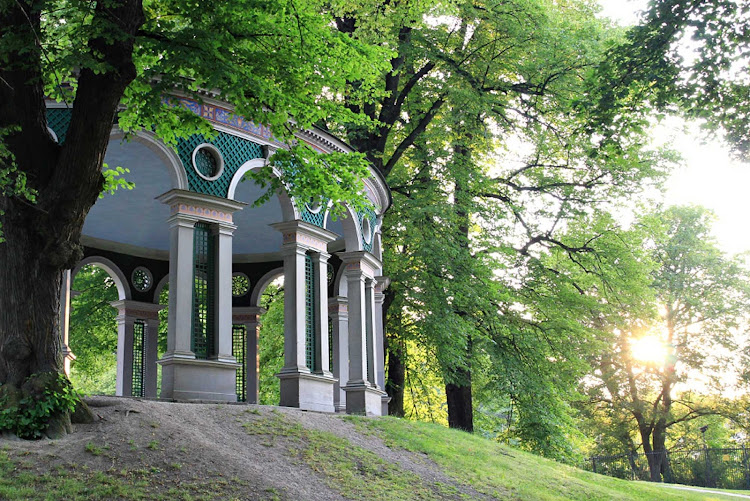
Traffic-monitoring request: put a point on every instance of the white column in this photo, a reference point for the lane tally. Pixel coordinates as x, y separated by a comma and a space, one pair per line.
250, 318
337, 310
372, 349
382, 284
65, 297
322, 349
151, 350
124, 381
223, 292
294, 309
357, 326
301, 386
363, 396
183, 376
179, 334
128, 312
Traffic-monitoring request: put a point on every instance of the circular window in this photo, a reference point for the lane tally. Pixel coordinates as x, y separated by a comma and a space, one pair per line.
330, 274
367, 230
240, 284
142, 279
208, 162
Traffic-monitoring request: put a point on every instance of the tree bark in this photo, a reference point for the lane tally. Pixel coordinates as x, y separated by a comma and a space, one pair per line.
460, 406
394, 386
43, 238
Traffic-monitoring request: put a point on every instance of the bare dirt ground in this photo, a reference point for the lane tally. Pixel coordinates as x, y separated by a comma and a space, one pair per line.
177, 444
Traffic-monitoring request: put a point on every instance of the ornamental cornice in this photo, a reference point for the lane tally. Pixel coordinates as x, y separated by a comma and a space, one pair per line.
137, 309
200, 205
305, 234
360, 261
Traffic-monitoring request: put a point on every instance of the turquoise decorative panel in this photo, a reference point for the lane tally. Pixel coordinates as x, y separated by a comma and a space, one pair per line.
58, 119
234, 150
316, 218
373, 218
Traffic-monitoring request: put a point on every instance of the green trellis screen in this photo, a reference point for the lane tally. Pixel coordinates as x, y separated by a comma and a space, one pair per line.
139, 355
331, 363
203, 291
309, 313
234, 150
239, 338
373, 218
58, 119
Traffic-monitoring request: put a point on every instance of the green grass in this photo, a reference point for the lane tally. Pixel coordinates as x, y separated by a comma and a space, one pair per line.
353, 471
506, 473
19, 480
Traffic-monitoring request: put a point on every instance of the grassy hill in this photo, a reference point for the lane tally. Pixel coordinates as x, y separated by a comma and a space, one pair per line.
158, 450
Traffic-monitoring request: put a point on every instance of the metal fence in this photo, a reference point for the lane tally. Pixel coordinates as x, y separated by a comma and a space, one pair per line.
722, 468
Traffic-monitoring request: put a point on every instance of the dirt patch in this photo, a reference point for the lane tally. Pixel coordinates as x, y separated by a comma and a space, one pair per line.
234, 451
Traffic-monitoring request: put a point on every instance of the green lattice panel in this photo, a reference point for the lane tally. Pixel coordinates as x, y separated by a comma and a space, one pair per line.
309, 313
58, 119
139, 356
370, 214
235, 151
331, 361
203, 292
239, 339
316, 218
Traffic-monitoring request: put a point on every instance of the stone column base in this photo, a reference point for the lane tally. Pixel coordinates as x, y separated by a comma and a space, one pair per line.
364, 399
312, 392
384, 401
196, 379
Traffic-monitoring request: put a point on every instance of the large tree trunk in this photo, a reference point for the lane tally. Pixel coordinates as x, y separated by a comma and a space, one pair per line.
458, 388
458, 396
43, 238
396, 351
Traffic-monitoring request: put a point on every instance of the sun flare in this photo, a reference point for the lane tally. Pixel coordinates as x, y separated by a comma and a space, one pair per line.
649, 349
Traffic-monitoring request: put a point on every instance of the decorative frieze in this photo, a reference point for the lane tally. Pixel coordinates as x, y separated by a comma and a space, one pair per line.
201, 212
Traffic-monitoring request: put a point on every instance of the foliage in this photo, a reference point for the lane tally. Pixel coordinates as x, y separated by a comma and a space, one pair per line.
93, 331
27, 411
114, 180
686, 55
13, 183
701, 296
271, 341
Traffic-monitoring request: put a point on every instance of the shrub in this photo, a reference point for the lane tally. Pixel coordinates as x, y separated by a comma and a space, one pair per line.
42, 398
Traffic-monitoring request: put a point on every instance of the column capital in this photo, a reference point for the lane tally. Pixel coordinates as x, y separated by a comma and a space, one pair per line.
362, 261
223, 228
383, 283
293, 249
247, 314
200, 206
301, 233
321, 256
137, 309
338, 306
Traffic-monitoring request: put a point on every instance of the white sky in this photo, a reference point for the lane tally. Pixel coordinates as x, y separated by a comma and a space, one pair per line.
709, 177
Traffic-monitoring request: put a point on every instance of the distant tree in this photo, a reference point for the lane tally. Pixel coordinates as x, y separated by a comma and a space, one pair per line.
271, 340
702, 295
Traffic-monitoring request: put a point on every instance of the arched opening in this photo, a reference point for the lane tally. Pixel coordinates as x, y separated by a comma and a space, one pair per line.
93, 330
161, 296
271, 341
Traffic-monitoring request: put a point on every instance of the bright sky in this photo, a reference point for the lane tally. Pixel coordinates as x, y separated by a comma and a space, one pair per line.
710, 177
